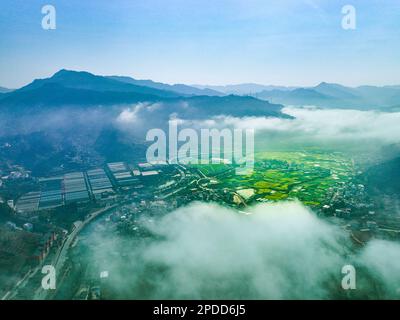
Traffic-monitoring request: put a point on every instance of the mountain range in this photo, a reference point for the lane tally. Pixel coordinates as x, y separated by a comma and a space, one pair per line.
244, 88
83, 89
336, 96
87, 81
326, 95
76, 119
178, 88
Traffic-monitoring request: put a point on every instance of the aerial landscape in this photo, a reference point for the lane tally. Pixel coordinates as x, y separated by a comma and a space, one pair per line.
261, 161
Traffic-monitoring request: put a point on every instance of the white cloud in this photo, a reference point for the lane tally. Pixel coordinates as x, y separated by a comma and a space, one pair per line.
324, 125
130, 115
382, 259
281, 251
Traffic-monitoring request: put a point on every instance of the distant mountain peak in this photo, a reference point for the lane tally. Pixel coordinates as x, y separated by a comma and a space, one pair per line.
5, 90
62, 71
91, 85
72, 73
328, 84
182, 89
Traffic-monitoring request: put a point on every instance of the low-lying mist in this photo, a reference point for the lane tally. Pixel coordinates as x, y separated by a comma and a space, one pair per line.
307, 125
206, 251
118, 133
336, 129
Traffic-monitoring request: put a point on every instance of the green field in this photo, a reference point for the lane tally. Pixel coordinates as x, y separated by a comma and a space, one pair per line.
312, 177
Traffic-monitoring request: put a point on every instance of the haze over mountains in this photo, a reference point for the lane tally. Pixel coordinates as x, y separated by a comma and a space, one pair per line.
179, 88
244, 88
77, 119
326, 95
83, 89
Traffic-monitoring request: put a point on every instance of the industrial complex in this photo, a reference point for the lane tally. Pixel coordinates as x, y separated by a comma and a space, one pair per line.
99, 184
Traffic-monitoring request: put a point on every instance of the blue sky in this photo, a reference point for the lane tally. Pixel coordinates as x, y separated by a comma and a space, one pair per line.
282, 42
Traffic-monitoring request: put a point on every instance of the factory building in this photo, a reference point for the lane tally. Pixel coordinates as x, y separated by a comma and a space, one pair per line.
51, 193
121, 174
100, 184
96, 184
145, 166
75, 188
150, 177
45, 244
28, 203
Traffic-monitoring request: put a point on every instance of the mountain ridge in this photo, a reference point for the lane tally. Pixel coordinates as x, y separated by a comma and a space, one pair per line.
330, 95
89, 81
324, 94
82, 89
179, 88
